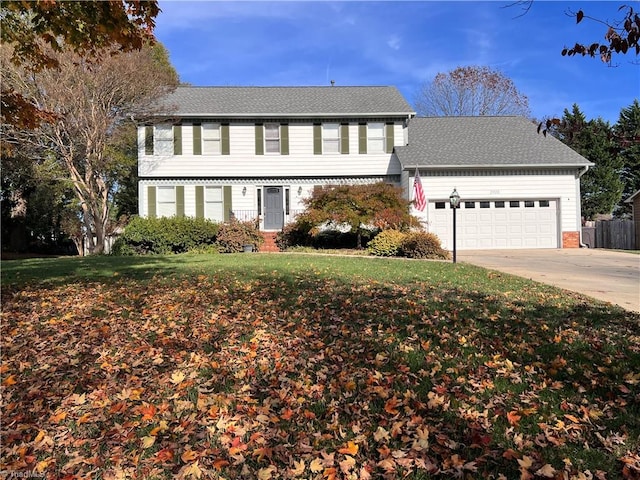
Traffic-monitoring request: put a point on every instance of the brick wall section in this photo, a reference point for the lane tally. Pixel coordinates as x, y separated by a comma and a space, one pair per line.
570, 239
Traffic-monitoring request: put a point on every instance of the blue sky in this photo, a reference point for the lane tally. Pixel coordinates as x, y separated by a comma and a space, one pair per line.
404, 44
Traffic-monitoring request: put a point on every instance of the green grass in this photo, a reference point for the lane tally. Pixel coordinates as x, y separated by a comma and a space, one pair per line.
257, 361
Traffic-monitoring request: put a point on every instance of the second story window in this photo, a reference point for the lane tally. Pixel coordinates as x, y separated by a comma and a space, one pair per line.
272, 138
330, 138
211, 139
375, 138
163, 140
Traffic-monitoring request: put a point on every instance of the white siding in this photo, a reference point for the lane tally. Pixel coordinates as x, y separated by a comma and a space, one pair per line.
244, 205
243, 162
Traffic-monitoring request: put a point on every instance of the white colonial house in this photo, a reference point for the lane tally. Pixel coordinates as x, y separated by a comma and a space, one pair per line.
257, 152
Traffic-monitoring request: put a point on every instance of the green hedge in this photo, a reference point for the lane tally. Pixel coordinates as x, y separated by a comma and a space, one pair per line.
165, 235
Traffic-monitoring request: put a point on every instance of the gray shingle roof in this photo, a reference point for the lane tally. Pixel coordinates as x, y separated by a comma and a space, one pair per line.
456, 142
286, 101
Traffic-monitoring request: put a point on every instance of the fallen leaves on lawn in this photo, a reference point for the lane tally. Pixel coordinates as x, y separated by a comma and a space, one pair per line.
225, 377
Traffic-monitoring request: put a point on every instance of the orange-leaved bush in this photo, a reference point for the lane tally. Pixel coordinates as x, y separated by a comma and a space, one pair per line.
423, 245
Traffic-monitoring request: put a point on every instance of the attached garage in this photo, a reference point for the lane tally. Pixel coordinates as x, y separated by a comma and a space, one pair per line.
518, 189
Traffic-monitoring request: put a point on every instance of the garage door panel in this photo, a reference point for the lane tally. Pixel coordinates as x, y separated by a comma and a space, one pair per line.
485, 229
484, 224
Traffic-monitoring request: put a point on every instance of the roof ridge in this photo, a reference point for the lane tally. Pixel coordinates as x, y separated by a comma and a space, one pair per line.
286, 86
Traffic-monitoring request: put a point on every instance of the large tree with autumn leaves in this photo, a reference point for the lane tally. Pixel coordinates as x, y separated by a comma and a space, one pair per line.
73, 77
470, 91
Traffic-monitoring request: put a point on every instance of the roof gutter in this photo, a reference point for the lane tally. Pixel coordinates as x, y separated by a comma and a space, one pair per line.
286, 115
583, 170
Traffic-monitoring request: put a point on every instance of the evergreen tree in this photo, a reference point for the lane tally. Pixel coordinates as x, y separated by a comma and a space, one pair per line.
601, 187
627, 135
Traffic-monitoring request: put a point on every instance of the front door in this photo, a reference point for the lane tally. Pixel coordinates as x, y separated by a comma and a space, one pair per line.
273, 211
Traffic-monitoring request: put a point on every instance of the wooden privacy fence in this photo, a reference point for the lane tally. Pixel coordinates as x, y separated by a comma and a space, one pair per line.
616, 234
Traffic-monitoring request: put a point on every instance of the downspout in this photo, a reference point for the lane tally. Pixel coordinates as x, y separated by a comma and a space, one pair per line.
581, 172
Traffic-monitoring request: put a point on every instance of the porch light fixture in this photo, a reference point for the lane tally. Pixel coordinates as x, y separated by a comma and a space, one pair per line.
299, 191
244, 191
454, 200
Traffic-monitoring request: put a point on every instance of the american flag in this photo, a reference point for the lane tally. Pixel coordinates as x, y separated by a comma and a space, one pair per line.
419, 199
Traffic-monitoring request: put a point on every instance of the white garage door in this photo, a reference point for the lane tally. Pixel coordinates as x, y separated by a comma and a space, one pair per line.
496, 224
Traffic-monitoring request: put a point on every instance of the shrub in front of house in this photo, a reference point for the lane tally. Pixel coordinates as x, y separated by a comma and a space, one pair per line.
165, 235
233, 236
422, 245
386, 244
336, 239
295, 234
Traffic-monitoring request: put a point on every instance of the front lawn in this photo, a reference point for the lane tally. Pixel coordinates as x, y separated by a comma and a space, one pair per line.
311, 367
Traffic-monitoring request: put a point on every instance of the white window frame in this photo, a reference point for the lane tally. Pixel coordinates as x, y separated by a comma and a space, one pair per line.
214, 203
376, 135
211, 139
330, 138
270, 139
165, 201
163, 140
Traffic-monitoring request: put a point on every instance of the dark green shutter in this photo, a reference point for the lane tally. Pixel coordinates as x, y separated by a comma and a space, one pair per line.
226, 205
344, 138
197, 140
284, 139
177, 139
151, 202
389, 138
180, 201
148, 140
199, 201
317, 139
362, 138
259, 139
224, 138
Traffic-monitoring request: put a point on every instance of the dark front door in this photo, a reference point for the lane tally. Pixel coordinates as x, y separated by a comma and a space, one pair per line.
273, 211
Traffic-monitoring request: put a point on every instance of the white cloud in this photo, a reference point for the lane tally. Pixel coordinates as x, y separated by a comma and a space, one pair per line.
394, 42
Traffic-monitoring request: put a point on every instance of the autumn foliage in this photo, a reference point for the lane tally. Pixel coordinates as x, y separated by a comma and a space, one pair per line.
470, 91
270, 367
620, 37
358, 209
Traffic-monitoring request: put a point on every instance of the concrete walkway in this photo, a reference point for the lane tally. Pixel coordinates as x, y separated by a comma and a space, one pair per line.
612, 276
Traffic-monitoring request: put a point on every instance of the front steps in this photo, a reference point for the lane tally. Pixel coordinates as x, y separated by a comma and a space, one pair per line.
269, 244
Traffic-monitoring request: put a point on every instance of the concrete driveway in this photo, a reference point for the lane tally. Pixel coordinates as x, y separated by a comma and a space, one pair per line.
612, 276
